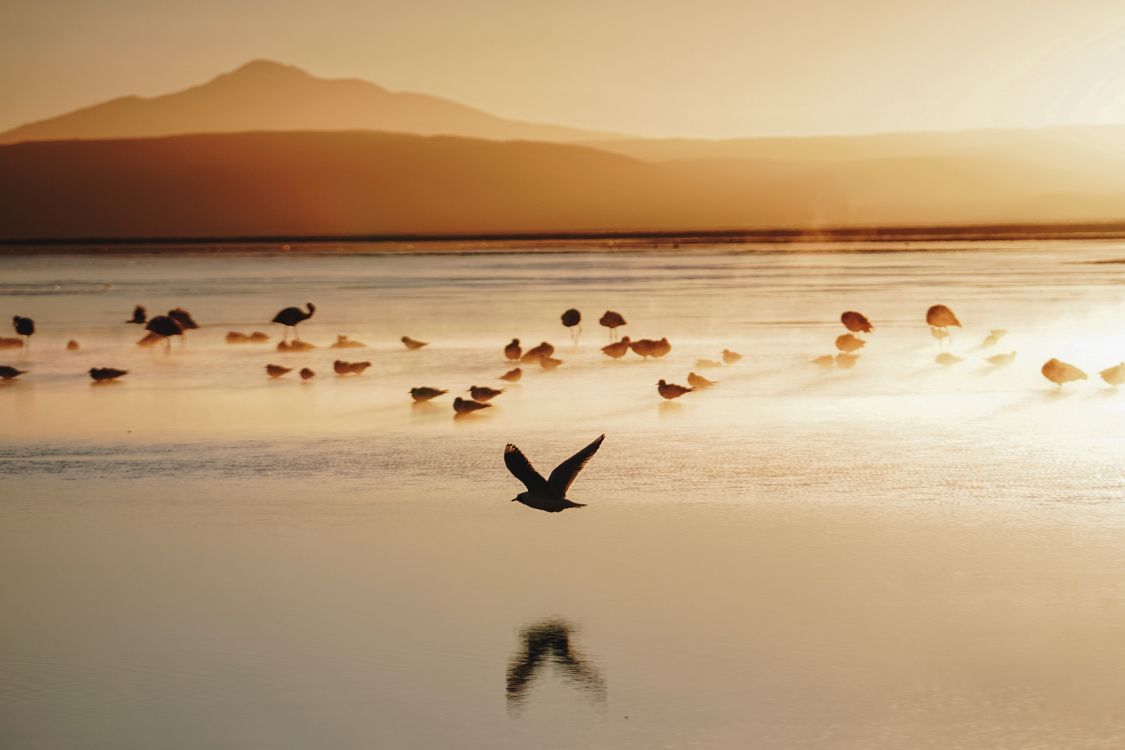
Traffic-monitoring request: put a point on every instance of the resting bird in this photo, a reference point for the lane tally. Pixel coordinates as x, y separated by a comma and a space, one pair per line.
7, 372
698, 381
548, 494
1115, 375
1001, 360
826, 361
294, 346
617, 349
946, 359
549, 363
100, 374
512, 350
661, 348
24, 327
307, 373
706, 363
1060, 372
291, 316
856, 322
237, 337
464, 406
483, 393
671, 390
257, 337
537, 352
512, 376
940, 316
165, 326
276, 371
849, 343
72, 346
846, 361
993, 337
413, 344
731, 357
349, 368
425, 393
612, 320
572, 319
343, 342
139, 315
642, 347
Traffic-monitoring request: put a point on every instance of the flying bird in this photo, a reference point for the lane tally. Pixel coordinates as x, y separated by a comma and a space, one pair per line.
7, 372
612, 320
856, 322
102, 374
512, 376
512, 350
139, 315
731, 357
349, 368
617, 349
276, 371
482, 393
698, 381
548, 494
1115, 375
1061, 372
671, 390
291, 316
425, 393
413, 344
465, 406
572, 319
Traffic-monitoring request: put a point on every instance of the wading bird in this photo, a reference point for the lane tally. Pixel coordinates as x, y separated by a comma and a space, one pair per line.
512, 350
343, 342
661, 348
671, 390
183, 317
612, 320
730, 357
349, 368
24, 327
276, 371
549, 363
163, 326
413, 344
425, 393
940, 319
856, 322
1061, 372
617, 349
482, 393
102, 374
537, 352
572, 319
465, 406
548, 494
139, 315
7, 372
698, 381
291, 316
642, 347
512, 376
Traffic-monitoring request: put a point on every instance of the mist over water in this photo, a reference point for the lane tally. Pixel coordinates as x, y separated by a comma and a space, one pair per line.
899, 554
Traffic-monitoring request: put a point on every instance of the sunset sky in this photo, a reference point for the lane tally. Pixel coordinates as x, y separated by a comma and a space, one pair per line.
651, 67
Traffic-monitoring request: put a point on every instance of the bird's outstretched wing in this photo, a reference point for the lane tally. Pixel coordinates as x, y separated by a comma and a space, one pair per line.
522, 469
565, 473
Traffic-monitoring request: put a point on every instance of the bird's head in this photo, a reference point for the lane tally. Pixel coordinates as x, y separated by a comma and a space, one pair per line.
311, 306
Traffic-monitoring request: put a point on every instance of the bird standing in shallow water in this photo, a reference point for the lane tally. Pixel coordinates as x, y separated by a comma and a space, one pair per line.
548, 494
465, 406
349, 368
698, 381
617, 349
483, 393
307, 373
612, 320
572, 319
183, 317
103, 374
671, 390
512, 376
856, 322
291, 316
139, 315
1061, 372
413, 344
425, 393
165, 326
7, 372
535, 353
276, 371
730, 357
512, 350
24, 327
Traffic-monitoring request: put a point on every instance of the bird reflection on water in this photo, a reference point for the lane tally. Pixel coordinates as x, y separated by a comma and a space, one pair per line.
550, 642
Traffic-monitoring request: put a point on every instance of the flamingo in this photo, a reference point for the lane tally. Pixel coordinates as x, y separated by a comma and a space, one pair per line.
291, 316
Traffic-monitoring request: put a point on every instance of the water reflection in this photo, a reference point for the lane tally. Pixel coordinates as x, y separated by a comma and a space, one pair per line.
549, 642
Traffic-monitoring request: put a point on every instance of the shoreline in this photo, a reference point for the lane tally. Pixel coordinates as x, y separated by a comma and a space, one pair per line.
568, 241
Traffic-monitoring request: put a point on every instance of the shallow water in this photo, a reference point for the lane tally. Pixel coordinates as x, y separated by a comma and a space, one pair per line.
900, 554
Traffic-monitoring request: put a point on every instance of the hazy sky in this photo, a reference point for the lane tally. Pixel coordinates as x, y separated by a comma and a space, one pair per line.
652, 67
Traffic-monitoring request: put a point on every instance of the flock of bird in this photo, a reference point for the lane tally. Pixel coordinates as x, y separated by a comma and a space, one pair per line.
176, 322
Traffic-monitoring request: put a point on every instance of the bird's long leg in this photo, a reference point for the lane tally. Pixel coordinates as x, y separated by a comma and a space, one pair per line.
286, 336
296, 333
167, 345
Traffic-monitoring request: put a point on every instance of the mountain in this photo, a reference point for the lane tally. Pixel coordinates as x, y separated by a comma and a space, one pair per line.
364, 183
264, 95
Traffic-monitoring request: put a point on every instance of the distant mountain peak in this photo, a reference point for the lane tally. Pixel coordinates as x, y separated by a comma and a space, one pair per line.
262, 68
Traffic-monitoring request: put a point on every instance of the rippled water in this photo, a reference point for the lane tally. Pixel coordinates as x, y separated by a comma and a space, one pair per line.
897, 555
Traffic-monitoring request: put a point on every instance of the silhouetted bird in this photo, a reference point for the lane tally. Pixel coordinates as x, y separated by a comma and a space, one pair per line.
572, 319
946, 359
671, 390
548, 642
826, 361
549, 363
72, 346
100, 374
698, 381
343, 342
856, 322
846, 361
1001, 360
548, 494
612, 320
258, 337
183, 317
849, 343
24, 327
307, 373
536, 352
349, 368
483, 393
139, 315
425, 393
465, 406
7, 372
617, 349
512, 350
276, 371
165, 326
642, 347
1061, 372
731, 357
512, 376
413, 344
291, 316
1115, 375
661, 348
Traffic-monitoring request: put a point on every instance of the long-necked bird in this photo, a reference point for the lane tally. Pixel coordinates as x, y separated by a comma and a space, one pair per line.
291, 316
548, 494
